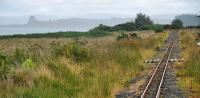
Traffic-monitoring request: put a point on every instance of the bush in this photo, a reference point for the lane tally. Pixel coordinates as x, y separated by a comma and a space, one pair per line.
75, 51
129, 26
122, 36
95, 33
158, 28
102, 27
146, 27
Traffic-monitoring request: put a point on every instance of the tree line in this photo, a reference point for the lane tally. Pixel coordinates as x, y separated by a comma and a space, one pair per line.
142, 22
58, 35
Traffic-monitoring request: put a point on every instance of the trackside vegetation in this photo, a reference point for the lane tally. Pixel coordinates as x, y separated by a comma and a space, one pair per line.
68, 68
188, 72
93, 64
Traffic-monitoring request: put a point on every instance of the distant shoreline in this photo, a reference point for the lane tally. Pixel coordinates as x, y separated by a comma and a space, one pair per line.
13, 30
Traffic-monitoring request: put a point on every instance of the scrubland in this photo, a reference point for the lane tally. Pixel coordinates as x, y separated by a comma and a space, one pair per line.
78, 67
189, 71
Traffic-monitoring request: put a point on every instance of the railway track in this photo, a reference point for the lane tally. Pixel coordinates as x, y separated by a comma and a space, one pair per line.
153, 87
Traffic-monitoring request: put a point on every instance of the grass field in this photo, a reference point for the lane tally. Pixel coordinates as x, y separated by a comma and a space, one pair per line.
73, 67
188, 72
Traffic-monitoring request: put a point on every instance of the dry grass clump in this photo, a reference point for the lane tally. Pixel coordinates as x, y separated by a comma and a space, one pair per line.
22, 78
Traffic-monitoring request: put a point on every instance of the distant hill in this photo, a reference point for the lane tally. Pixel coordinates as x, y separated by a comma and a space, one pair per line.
189, 19
72, 22
34, 25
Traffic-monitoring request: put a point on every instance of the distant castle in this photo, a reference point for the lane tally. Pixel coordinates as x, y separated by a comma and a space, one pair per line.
34, 22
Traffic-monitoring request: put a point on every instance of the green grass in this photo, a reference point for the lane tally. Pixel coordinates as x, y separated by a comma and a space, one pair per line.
44, 88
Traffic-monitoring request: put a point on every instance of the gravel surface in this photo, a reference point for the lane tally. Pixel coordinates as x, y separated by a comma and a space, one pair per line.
130, 93
169, 88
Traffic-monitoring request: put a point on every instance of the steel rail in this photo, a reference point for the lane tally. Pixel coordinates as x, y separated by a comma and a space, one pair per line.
159, 89
169, 49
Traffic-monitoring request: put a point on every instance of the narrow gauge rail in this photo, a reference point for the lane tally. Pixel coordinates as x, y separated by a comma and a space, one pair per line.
153, 88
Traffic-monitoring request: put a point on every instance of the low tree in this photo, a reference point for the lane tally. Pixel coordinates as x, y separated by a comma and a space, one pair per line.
142, 20
129, 26
102, 27
177, 24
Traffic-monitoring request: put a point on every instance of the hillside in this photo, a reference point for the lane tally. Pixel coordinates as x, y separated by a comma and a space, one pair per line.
189, 19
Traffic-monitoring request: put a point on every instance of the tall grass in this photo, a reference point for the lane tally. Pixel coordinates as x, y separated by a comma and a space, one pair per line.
189, 71
61, 69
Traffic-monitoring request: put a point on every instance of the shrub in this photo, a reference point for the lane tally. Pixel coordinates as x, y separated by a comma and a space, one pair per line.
75, 51
122, 36
102, 27
129, 26
158, 28
127, 36
95, 33
80, 42
146, 27
79, 53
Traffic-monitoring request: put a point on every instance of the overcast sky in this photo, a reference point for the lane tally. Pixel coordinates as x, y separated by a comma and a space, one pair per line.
97, 8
